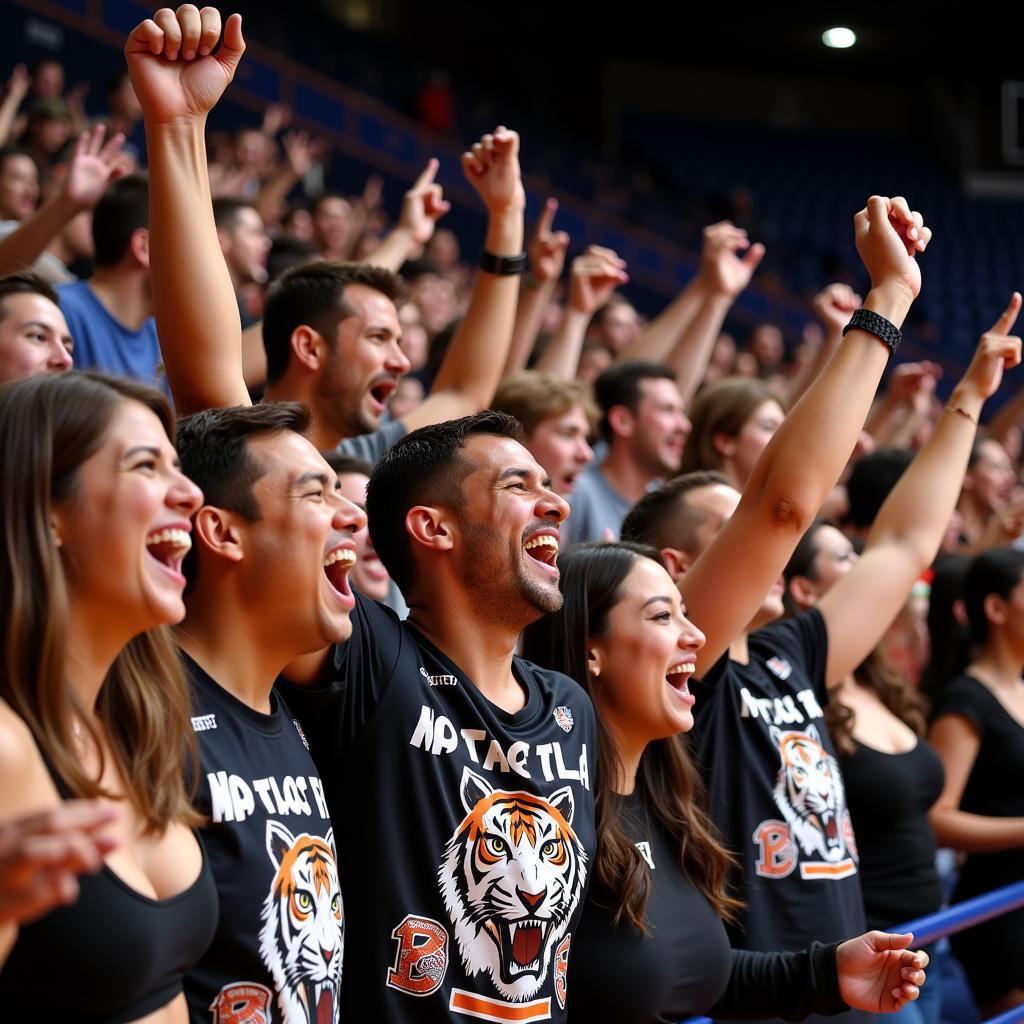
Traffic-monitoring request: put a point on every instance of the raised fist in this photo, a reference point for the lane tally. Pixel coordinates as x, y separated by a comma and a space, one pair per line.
492, 168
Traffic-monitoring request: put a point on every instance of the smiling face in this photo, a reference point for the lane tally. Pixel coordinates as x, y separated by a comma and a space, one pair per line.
299, 552
507, 531
125, 529
660, 426
34, 337
742, 451
559, 444
363, 365
19, 187
644, 660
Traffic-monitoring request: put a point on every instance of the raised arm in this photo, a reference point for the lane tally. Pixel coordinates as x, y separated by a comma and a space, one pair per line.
471, 370
423, 206
17, 90
834, 305
178, 80
92, 170
912, 522
795, 472
547, 258
592, 279
301, 151
899, 414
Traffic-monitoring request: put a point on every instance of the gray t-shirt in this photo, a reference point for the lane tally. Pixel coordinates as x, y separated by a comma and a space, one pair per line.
595, 506
371, 447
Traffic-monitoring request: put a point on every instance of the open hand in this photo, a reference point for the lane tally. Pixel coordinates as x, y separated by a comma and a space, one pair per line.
174, 72
93, 168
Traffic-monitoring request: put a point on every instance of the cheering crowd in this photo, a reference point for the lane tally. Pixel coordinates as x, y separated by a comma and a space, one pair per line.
391, 641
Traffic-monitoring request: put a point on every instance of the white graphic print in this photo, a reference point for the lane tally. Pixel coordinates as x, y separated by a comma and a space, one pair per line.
809, 793
303, 933
511, 878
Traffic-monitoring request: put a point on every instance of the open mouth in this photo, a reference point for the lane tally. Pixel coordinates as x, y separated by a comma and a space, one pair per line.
521, 944
337, 564
543, 548
169, 547
678, 677
382, 391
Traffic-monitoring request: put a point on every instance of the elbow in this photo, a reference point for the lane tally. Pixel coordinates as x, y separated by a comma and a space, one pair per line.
790, 513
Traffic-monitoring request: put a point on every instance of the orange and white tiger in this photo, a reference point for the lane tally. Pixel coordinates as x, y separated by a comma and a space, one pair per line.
512, 876
809, 793
303, 933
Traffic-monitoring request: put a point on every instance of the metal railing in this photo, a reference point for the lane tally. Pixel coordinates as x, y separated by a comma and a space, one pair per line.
957, 918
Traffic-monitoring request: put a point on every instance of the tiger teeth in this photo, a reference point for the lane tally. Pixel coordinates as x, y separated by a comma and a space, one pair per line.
179, 538
344, 555
545, 541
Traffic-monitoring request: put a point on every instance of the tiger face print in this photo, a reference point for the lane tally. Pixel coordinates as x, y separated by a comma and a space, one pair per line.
511, 878
302, 939
809, 792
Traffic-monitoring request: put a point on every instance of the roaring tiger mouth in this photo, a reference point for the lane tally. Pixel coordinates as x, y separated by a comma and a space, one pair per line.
520, 945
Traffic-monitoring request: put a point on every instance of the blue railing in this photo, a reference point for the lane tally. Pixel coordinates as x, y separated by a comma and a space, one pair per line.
957, 918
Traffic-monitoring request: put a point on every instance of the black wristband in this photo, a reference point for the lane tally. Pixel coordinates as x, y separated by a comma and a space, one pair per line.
873, 323
503, 266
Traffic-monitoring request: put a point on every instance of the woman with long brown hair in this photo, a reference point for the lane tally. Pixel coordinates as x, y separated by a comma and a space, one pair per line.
651, 945
94, 705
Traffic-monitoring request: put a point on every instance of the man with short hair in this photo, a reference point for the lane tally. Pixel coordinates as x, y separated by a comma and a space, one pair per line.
245, 244
111, 314
557, 417
272, 511
34, 336
643, 423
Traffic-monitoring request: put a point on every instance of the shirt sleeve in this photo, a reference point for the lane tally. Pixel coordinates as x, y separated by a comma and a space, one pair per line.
787, 985
961, 698
802, 639
371, 447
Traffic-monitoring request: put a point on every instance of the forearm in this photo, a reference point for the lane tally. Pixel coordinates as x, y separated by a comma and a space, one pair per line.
562, 356
1011, 415
810, 372
194, 301
23, 246
976, 833
479, 350
393, 251
533, 300
8, 115
689, 356
809, 450
272, 196
658, 338
787, 985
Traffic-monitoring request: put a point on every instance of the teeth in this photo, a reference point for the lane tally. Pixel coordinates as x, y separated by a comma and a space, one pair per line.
685, 668
544, 541
345, 555
179, 538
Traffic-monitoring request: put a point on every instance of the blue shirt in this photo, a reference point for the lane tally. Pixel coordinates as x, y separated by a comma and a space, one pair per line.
103, 343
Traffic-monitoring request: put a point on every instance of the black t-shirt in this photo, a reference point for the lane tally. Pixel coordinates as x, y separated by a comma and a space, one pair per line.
277, 955
776, 791
889, 796
683, 965
469, 831
994, 786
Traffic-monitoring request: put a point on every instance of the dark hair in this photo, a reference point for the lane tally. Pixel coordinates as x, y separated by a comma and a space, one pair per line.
722, 408
997, 572
25, 282
49, 426
319, 201
426, 467
213, 446
342, 463
123, 209
287, 252
591, 582
871, 479
314, 294
949, 641
227, 208
620, 385
664, 517
9, 152
801, 563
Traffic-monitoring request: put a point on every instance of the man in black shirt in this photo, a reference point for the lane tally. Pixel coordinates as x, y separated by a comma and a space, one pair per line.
464, 773
272, 511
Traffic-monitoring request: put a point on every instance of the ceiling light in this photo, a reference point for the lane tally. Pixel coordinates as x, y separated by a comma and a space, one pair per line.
838, 38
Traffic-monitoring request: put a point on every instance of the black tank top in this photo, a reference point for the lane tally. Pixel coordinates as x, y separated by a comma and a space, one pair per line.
113, 956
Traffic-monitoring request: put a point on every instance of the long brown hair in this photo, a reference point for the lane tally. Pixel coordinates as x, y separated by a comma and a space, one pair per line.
49, 426
591, 582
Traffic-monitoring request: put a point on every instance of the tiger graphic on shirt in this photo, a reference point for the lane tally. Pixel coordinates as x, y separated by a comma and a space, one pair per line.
303, 933
512, 876
809, 792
